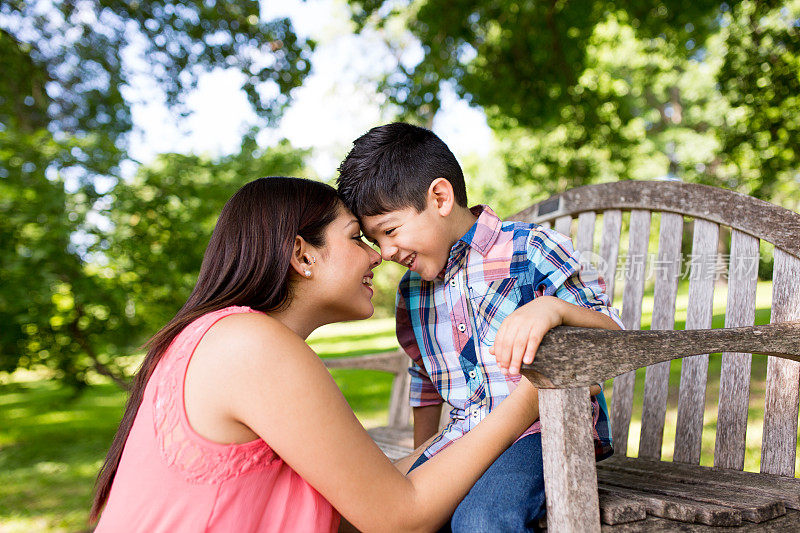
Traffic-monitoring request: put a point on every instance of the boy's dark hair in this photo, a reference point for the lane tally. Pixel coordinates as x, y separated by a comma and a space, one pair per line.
391, 167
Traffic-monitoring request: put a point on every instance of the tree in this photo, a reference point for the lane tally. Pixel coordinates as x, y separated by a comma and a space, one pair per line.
759, 78
65, 117
597, 90
163, 220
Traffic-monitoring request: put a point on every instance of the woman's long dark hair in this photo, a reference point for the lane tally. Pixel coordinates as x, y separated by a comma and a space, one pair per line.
246, 263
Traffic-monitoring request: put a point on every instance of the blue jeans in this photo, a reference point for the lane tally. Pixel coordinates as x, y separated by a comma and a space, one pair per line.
508, 497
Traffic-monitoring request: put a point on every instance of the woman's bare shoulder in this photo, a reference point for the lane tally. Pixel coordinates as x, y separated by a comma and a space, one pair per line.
245, 340
243, 329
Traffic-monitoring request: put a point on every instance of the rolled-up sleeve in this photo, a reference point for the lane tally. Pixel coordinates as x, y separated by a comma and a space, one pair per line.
422, 391
558, 272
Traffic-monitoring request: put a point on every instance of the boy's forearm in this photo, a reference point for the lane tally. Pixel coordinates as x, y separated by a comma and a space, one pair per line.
575, 315
426, 423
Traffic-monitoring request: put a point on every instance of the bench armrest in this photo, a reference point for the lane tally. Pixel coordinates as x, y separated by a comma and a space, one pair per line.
578, 357
394, 362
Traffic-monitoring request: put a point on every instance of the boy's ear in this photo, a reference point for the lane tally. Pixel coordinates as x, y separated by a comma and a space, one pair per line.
440, 196
302, 260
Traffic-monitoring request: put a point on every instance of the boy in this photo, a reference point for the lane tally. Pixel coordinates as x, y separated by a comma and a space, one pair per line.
477, 299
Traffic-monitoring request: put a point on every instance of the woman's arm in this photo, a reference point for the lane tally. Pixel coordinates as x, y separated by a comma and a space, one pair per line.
271, 381
404, 463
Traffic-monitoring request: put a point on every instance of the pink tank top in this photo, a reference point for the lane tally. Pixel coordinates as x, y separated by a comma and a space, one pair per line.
172, 479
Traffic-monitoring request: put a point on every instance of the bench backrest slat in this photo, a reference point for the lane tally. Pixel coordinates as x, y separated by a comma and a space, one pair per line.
564, 225
734, 382
779, 441
749, 221
399, 407
622, 398
609, 248
667, 272
584, 239
694, 369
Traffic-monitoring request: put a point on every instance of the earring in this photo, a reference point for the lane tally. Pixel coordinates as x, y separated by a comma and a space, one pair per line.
307, 273
313, 260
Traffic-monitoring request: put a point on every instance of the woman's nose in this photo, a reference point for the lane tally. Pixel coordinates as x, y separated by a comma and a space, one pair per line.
375, 257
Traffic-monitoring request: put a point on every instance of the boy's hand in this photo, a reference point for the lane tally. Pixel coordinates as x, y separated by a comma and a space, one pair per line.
521, 332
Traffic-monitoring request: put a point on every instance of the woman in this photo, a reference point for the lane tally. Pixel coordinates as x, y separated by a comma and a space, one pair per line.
234, 424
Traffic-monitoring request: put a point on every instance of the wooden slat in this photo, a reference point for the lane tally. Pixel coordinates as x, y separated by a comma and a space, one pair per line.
584, 239
399, 407
750, 215
694, 370
667, 272
779, 441
616, 508
754, 506
734, 382
622, 394
785, 489
564, 225
675, 508
568, 457
392, 450
653, 524
395, 362
609, 249
577, 357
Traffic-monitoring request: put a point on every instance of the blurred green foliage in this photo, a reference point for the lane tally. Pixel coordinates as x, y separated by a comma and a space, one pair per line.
163, 219
599, 90
576, 92
65, 119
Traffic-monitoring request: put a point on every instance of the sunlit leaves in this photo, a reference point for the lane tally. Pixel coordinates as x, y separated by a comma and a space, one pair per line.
596, 90
65, 120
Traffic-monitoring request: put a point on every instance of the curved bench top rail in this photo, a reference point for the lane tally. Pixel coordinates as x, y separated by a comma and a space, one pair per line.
577, 357
394, 362
758, 218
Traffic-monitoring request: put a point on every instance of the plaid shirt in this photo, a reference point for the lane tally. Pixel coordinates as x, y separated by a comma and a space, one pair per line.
448, 325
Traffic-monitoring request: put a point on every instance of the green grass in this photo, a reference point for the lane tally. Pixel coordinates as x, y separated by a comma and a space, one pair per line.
52, 445
366, 391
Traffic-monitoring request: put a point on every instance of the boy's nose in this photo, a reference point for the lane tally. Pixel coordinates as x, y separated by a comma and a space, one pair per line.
388, 253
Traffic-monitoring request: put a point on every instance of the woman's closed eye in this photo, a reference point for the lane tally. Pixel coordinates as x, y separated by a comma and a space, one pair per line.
389, 231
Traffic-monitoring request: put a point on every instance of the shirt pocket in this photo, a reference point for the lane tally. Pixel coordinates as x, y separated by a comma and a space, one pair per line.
492, 301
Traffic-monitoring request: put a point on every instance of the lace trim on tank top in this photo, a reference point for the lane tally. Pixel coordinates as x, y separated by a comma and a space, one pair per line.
196, 458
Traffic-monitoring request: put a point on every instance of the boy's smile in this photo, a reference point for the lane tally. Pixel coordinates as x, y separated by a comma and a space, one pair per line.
417, 240
421, 240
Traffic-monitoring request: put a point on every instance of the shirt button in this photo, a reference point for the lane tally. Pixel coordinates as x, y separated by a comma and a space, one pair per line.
472, 374
453, 282
462, 328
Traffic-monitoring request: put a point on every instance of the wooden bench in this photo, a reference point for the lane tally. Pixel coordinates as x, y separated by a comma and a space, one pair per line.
644, 493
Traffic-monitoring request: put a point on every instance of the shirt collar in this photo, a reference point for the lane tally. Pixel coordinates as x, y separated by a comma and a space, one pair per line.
480, 237
484, 232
